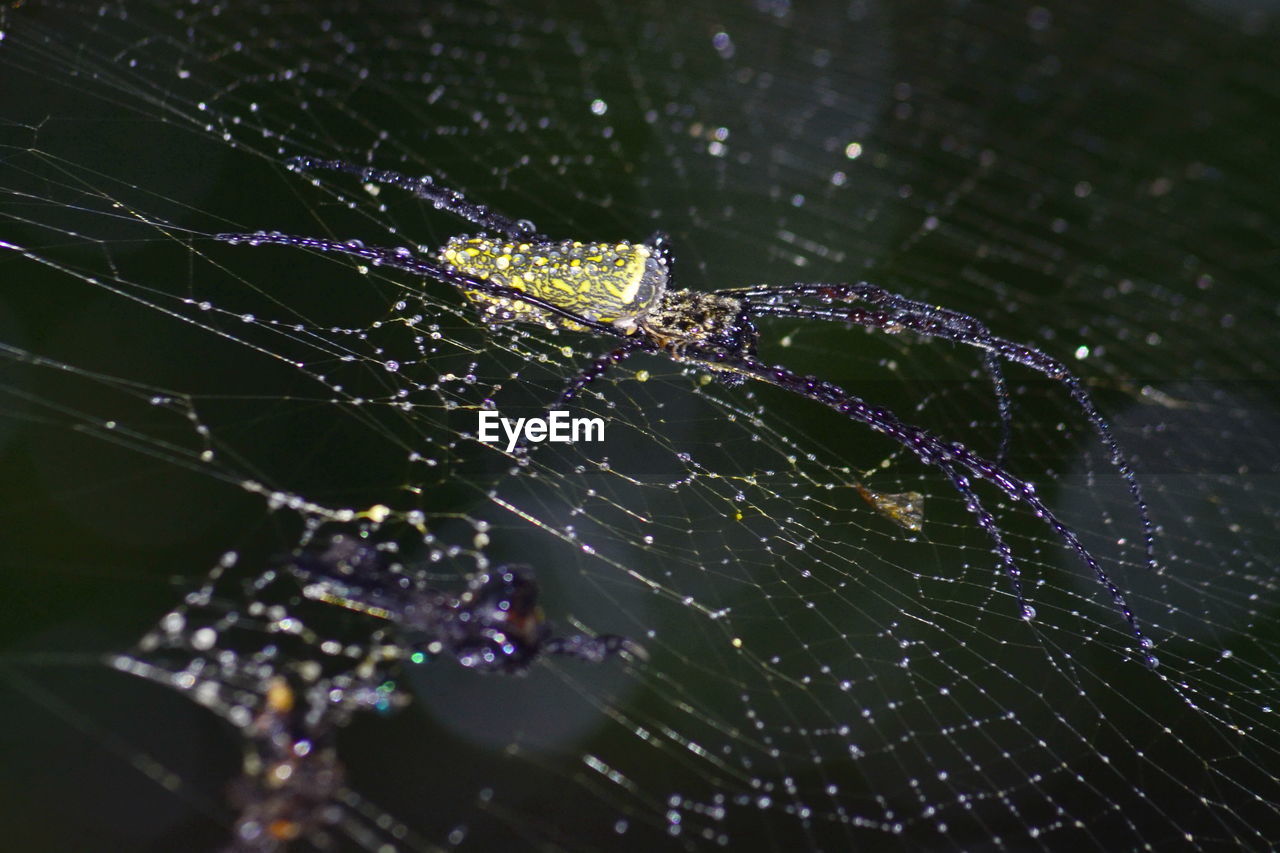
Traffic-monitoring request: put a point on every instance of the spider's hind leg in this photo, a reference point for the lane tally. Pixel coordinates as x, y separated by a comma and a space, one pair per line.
425, 188
423, 266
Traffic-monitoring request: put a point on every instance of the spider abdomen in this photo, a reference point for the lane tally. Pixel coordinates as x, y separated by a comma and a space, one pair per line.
616, 283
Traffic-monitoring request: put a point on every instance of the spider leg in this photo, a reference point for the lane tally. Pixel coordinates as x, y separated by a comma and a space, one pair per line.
443, 198
893, 312
599, 367
1004, 403
959, 323
948, 457
594, 649
988, 523
419, 265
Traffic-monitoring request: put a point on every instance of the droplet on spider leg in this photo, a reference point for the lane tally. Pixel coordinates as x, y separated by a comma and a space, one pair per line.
1149, 660
1028, 612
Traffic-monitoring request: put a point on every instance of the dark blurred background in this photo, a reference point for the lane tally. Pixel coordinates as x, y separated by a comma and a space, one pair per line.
1098, 179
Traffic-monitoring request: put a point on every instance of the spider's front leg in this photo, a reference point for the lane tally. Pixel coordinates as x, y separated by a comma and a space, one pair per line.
892, 312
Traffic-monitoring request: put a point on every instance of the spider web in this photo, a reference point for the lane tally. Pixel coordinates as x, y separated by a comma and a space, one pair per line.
178, 413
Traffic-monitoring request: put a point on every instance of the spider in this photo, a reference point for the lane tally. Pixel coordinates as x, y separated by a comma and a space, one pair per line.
624, 290
494, 625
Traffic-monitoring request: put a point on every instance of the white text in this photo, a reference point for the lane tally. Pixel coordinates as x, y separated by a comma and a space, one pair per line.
557, 426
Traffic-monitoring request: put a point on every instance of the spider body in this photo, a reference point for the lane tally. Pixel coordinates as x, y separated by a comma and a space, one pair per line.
622, 284
623, 290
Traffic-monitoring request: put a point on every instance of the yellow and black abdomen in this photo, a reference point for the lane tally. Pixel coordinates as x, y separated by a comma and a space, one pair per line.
615, 283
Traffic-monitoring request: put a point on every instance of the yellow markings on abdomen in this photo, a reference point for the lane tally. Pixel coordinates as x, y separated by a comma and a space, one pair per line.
614, 283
